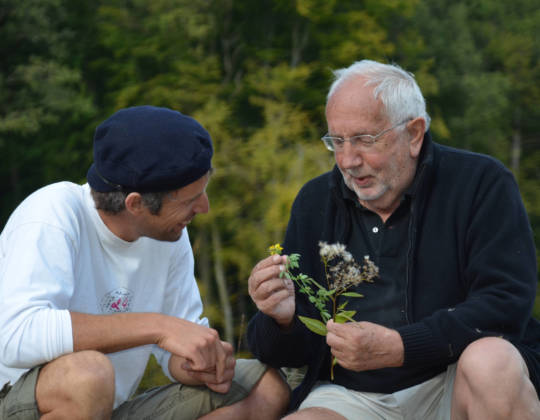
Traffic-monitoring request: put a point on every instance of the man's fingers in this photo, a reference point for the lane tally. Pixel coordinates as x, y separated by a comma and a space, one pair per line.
266, 269
229, 363
227, 347
208, 377
203, 353
343, 330
335, 342
272, 301
224, 360
270, 287
221, 361
222, 388
221, 373
269, 261
261, 277
336, 335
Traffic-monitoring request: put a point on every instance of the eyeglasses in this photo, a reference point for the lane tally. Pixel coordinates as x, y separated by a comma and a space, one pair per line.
364, 140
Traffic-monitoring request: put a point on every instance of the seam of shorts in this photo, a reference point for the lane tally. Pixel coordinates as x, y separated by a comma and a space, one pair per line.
171, 404
20, 408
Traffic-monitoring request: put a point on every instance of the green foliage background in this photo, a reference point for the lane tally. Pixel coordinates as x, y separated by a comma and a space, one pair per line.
255, 74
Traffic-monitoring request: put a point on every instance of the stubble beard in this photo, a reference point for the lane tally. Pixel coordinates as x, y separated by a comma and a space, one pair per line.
361, 192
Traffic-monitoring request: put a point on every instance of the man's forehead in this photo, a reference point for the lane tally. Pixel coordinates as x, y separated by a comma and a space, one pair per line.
195, 188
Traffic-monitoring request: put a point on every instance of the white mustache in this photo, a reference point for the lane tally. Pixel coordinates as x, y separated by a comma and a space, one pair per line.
353, 174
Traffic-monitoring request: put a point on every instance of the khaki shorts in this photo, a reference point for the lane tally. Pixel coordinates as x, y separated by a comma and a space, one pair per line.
174, 401
18, 402
430, 400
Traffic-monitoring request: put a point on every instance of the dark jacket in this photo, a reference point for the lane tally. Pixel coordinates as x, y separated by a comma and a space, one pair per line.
471, 267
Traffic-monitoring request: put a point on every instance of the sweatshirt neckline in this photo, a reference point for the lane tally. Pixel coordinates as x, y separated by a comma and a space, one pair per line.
104, 232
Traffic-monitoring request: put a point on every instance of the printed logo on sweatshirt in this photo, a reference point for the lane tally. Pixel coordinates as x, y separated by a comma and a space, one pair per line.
118, 300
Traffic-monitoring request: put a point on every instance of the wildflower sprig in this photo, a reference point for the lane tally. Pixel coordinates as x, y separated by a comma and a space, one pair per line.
342, 272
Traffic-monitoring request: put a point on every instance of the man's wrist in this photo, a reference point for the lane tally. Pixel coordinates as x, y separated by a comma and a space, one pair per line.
156, 325
399, 349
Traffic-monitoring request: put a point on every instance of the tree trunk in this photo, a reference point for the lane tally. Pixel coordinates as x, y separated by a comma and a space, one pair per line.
222, 286
203, 264
300, 37
515, 154
516, 151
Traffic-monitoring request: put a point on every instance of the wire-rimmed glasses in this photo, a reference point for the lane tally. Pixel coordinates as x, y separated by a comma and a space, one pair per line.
333, 143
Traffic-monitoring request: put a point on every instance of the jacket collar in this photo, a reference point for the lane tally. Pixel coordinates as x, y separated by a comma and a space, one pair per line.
424, 167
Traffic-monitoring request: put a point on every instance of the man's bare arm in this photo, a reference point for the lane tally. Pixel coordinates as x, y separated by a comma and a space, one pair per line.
198, 344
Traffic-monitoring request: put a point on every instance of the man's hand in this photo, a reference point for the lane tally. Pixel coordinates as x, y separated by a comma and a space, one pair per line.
274, 296
182, 370
199, 345
360, 346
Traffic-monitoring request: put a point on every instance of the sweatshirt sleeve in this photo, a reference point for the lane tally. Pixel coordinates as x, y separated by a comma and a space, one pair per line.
496, 262
36, 283
182, 298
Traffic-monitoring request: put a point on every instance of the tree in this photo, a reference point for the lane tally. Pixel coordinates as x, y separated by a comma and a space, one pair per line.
42, 98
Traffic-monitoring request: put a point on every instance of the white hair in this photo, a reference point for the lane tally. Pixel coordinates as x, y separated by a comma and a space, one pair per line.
396, 88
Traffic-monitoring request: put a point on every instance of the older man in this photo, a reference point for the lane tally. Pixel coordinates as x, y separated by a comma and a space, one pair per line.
445, 331
94, 278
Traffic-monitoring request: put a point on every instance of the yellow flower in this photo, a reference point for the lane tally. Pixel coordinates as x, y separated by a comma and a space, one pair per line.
275, 249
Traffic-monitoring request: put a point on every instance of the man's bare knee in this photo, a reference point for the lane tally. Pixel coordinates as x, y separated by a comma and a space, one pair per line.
315, 413
81, 381
492, 378
487, 359
271, 395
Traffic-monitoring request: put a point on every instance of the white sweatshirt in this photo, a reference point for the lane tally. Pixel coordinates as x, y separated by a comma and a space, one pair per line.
56, 256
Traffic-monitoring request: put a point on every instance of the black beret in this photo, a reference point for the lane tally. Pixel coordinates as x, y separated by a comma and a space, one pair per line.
149, 149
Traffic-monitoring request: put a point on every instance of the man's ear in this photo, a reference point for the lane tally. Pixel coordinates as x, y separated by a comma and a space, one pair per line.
134, 203
416, 130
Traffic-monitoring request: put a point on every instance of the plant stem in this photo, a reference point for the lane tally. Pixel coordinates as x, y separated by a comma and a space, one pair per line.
334, 301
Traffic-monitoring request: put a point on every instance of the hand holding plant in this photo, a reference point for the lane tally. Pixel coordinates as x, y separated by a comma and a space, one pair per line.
342, 272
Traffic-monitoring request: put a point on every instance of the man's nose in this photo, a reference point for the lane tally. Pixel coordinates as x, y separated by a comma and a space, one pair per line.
202, 205
349, 156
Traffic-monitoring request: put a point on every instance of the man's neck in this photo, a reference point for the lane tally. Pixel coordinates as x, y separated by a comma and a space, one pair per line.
382, 210
119, 224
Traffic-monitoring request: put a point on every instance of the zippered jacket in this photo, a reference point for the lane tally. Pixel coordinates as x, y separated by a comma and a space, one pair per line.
471, 268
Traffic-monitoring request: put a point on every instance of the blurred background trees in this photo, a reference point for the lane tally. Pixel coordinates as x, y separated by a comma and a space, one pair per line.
255, 74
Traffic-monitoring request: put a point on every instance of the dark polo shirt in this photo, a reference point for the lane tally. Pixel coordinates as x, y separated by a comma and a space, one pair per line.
384, 299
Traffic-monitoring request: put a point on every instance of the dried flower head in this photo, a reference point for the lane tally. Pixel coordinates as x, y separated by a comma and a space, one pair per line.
342, 271
330, 252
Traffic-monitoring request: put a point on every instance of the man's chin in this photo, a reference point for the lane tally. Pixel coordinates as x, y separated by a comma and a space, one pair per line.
172, 236
369, 194
178, 236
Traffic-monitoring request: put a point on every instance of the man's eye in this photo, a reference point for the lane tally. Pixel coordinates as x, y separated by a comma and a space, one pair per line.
364, 140
338, 141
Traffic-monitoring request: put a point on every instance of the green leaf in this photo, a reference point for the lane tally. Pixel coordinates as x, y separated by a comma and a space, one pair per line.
293, 260
313, 325
342, 306
352, 294
344, 316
